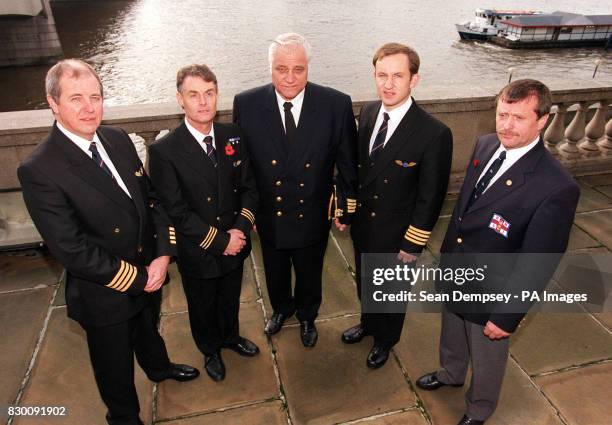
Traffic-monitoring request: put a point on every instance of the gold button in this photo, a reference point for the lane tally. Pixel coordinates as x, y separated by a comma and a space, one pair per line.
301, 184
278, 182
151, 205
139, 248
375, 196
279, 213
359, 204
301, 216
209, 199
117, 230
508, 182
386, 181
279, 198
235, 190
373, 214
273, 162
360, 186
459, 240
301, 201
358, 165
218, 218
235, 212
308, 165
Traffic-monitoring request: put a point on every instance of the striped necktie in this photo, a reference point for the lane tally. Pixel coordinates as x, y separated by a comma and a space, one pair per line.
379, 141
486, 178
95, 155
210, 149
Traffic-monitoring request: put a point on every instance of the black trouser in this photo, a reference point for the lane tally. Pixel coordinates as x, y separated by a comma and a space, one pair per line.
308, 266
213, 310
386, 328
112, 349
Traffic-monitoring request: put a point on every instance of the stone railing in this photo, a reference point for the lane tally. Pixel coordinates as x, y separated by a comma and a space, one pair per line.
579, 134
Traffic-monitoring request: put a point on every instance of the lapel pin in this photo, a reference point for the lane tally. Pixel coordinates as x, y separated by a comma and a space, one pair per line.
475, 162
508, 182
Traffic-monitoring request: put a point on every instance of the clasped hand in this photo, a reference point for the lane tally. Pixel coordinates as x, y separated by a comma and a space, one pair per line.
236, 243
157, 273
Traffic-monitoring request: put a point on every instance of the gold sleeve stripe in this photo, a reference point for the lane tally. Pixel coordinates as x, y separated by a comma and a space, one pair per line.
351, 209
351, 201
129, 279
125, 275
172, 229
210, 236
248, 214
416, 242
418, 231
413, 236
172, 242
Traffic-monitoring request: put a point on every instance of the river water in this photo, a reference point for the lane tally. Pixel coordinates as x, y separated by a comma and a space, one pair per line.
138, 45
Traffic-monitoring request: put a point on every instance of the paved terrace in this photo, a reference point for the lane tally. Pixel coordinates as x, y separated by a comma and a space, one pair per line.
560, 370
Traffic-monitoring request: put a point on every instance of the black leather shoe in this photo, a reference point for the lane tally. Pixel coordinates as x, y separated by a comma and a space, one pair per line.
275, 323
214, 367
353, 335
377, 357
466, 420
308, 333
178, 372
244, 347
430, 382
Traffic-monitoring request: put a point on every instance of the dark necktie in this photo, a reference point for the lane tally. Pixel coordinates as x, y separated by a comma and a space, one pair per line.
379, 141
95, 155
210, 149
486, 179
289, 122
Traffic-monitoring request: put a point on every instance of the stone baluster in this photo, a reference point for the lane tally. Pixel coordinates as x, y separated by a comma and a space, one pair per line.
574, 134
594, 131
605, 144
555, 132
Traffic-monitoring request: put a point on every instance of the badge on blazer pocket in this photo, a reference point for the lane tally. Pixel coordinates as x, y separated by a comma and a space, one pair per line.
405, 164
236, 163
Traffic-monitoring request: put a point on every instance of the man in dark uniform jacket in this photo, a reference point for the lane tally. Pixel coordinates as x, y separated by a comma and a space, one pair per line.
202, 174
516, 199
404, 164
296, 131
91, 200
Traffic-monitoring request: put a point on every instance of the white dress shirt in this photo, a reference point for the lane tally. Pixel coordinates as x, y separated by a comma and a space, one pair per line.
84, 144
296, 109
199, 136
512, 156
395, 116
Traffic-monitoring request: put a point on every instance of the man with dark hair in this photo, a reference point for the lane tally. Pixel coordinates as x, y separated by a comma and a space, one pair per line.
202, 173
297, 132
516, 199
404, 164
92, 202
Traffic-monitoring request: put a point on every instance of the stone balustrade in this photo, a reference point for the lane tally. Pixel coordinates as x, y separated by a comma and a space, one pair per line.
579, 134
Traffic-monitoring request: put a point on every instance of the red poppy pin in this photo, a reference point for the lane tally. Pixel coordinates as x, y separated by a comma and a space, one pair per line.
229, 150
475, 162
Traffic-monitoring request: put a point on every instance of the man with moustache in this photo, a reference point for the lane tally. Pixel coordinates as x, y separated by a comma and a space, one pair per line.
404, 165
92, 202
297, 131
203, 176
516, 199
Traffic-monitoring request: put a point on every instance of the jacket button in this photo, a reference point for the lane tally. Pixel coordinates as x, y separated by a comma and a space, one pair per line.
301, 184
117, 230
307, 165
373, 214
235, 212
139, 248
279, 198
360, 186
375, 196
151, 205
371, 164
459, 240
358, 165
386, 181
460, 218
273, 162
235, 190
278, 182
301, 201
359, 205
300, 215
209, 199
279, 213
218, 218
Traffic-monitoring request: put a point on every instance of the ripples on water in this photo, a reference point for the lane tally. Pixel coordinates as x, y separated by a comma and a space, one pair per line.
137, 46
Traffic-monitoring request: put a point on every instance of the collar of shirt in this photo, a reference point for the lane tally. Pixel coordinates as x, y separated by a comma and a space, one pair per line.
84, 144
395, 117
296, 109
512, 156
199, 136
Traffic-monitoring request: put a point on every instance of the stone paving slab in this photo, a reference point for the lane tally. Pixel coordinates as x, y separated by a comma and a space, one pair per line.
520, 402
449, 204
562, 340
582, 395
409, 417
28, 269
247, 380
346, 245
437, 236
330, 383
62, 376
606, 190
605, 319
591, 199
598, 225
597, 179
339, 292
173, 298
269, 413
579, 239
22, 315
